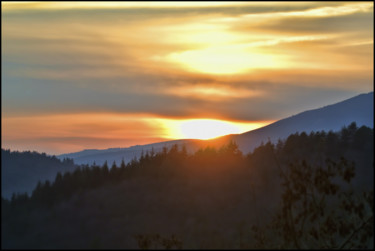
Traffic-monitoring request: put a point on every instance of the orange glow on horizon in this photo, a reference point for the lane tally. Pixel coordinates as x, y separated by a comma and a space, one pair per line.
207, 128
117, 74
73, 132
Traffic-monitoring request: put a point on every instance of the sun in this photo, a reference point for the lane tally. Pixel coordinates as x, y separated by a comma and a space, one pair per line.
206, 128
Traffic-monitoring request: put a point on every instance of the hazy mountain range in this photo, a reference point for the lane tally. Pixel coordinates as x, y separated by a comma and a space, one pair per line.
359, 109
21, 171
332, 117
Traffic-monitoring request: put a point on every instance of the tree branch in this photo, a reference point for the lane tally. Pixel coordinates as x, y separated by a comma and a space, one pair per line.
355, 231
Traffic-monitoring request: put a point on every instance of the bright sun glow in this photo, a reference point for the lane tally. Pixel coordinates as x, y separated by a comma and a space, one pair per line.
206, 128
223, 60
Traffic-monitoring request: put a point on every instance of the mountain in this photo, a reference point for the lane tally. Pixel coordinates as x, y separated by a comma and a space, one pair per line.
208, 200
118, 154
332, 117
21, 171
359, 109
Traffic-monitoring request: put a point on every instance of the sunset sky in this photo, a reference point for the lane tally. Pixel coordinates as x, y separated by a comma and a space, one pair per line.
79, 75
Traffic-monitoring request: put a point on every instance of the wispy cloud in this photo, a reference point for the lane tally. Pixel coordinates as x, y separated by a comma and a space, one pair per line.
211, 92
112, 5
65, 132
318, 12
136, 4
232, 61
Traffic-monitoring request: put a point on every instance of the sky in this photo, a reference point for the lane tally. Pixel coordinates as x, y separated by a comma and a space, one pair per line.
96, 75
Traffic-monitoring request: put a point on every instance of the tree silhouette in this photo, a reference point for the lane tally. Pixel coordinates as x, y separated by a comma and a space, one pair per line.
318, 211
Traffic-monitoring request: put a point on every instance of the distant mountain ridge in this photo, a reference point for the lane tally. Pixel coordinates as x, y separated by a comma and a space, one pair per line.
21, 171
359, 109
117, 154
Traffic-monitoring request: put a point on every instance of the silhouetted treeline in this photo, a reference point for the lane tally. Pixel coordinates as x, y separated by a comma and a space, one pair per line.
20, 171
209, 199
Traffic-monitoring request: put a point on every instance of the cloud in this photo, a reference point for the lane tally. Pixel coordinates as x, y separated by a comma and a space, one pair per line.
174, 6
316, 12
356, 22
64, 132
211, 92
238, 62
242, 97
116, 5
82, 130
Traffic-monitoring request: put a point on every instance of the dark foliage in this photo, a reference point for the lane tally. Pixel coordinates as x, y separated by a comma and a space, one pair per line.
305, 186
20, 171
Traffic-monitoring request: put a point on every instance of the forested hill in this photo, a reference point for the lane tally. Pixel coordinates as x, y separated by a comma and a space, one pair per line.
332, 117
359, 109
311, 190
21, 171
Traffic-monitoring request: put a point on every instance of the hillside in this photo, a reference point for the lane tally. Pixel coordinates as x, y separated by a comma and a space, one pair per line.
21, 171
212, 199
359, 109
333, 117
117, 154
